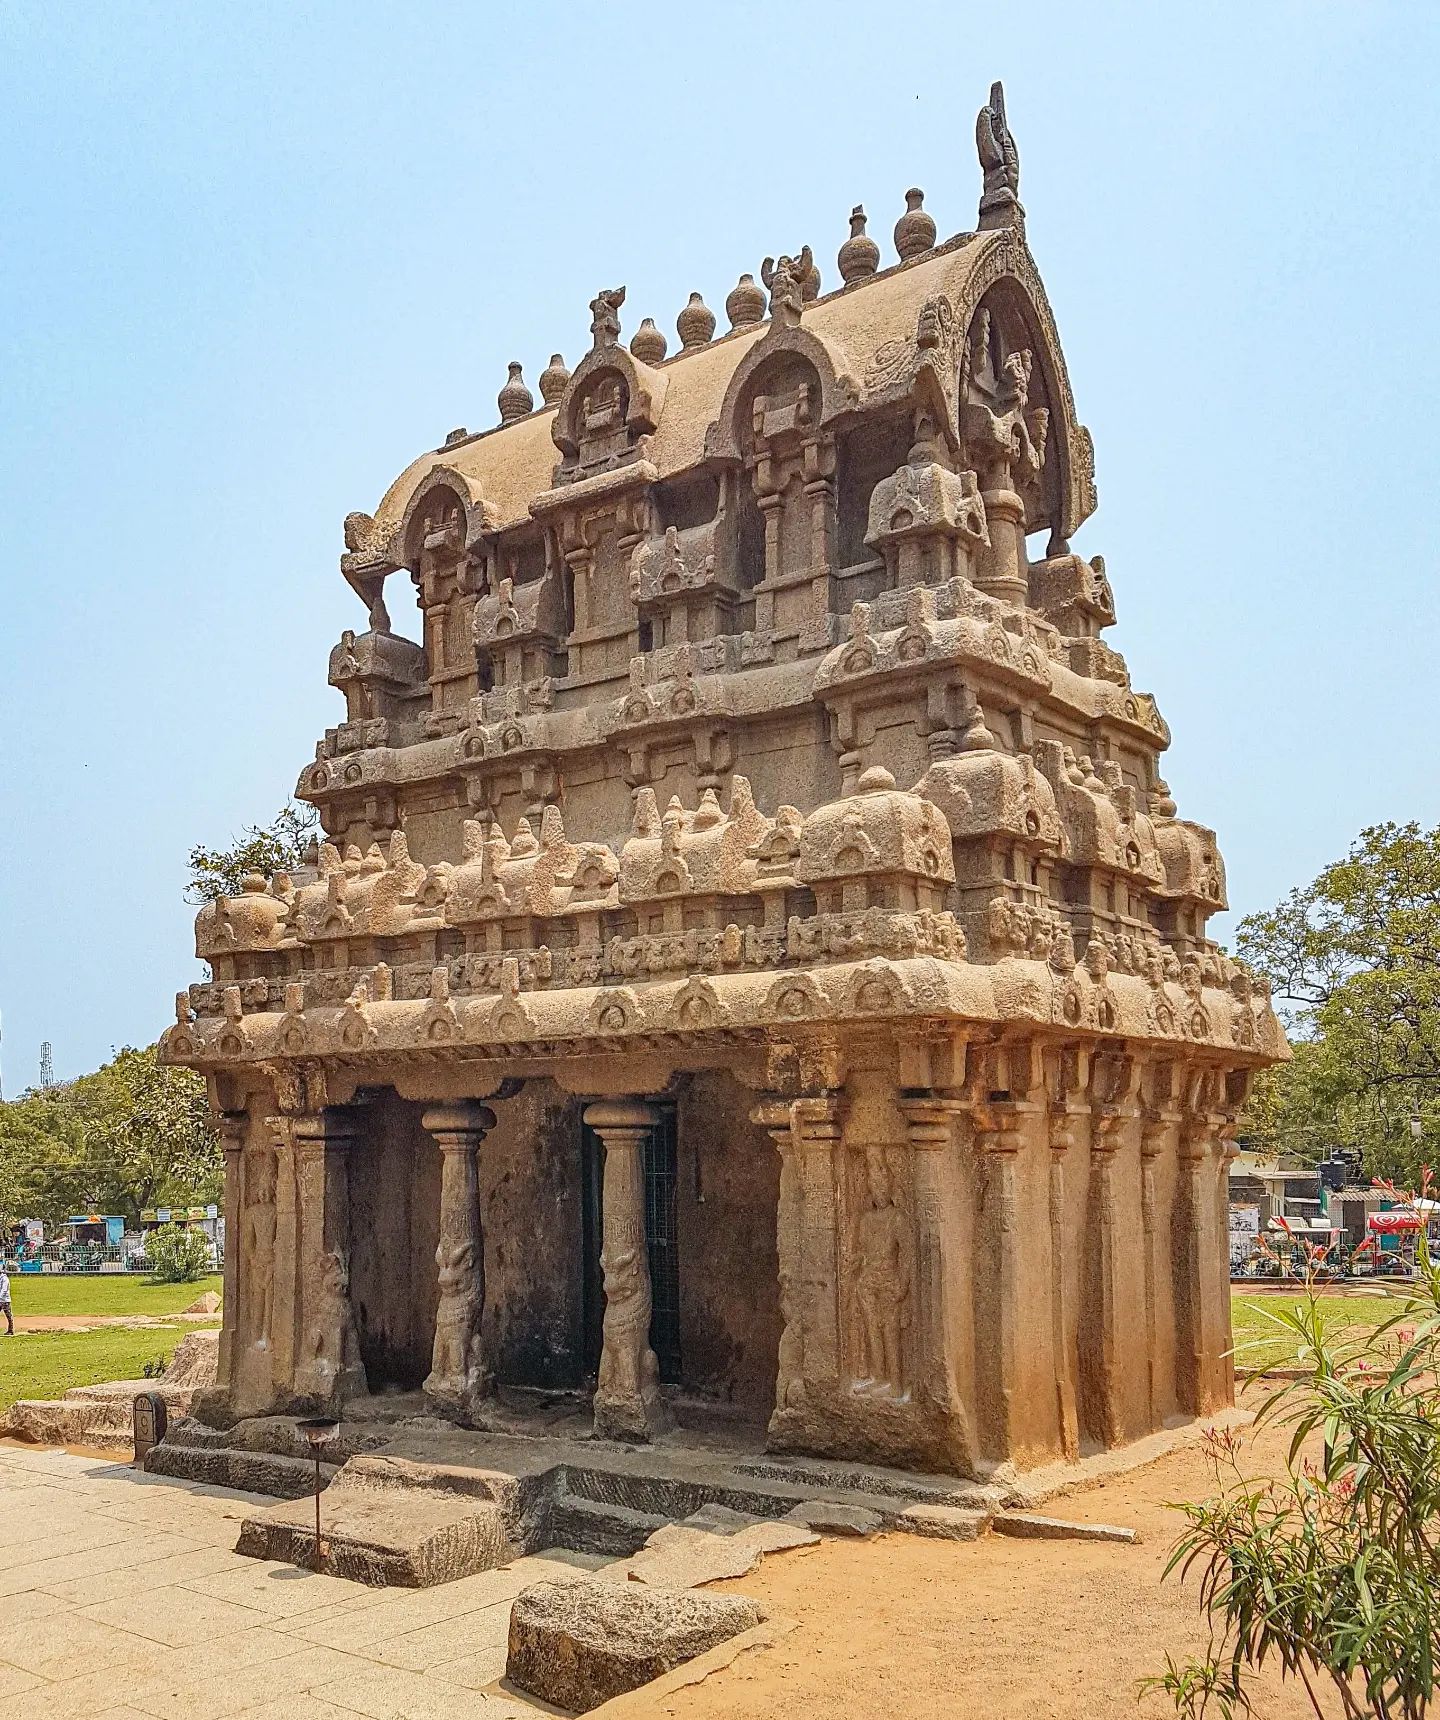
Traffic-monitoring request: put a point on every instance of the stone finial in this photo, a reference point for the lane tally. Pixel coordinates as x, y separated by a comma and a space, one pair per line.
859, 256
915, 230
1000, 204
458, 434
514, 400
696, 323
553, 379
647, 343
605, 316
745, 303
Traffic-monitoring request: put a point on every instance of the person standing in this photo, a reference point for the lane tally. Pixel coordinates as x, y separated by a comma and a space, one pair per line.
5, 1301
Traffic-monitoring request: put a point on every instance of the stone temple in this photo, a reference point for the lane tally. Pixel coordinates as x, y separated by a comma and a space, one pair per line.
755, 977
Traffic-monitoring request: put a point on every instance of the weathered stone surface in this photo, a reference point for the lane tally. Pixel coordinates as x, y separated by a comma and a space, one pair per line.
208, 1302
711, 1545
1030, 1525
99, 1416
939, 966
580, 1644
943, 1522
827, 1517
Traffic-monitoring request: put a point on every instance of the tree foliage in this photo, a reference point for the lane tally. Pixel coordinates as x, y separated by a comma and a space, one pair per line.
1332, 1570
279, 846
177, 1255
131, 1135
1353, 960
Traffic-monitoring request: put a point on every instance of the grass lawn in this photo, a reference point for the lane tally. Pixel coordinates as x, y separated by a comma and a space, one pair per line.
1276, 1348
47, 1364
108, 1293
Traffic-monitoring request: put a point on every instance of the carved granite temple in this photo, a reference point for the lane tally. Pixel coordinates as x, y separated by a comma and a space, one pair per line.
754, 969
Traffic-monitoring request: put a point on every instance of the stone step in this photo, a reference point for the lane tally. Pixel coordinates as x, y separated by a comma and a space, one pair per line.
99, 1416
245, 1471
383, 1529
599, 1526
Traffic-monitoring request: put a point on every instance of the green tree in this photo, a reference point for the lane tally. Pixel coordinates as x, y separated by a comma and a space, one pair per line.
1354, 962
279, 846
131, 1135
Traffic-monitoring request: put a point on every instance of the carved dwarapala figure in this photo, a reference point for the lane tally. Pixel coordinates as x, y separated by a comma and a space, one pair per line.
882, 1280
333, 1339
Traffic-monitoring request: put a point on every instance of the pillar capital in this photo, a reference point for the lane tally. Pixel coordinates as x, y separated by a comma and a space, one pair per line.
929, 1120
333, 1128
458, 1123
618, 1116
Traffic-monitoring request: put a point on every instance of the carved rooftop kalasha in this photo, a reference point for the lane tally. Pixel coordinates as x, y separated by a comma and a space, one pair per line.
753, 959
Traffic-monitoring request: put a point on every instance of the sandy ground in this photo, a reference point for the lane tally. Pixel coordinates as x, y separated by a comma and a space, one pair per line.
920, 1630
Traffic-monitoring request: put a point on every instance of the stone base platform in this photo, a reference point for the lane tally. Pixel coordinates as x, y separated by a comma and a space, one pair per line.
419, 1501
101, 1417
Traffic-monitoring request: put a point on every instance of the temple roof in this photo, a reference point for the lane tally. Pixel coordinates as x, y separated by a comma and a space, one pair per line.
505, 468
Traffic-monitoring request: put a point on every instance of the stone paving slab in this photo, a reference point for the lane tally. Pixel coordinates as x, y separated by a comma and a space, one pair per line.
126, 1600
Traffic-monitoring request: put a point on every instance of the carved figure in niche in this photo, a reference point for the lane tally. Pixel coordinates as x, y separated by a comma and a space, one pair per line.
334, 1343
605, 315
882, 1281
259, 1243
786, 281
790, 1359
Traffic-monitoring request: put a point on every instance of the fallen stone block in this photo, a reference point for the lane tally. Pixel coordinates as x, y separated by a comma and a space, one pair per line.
208, 1302
830, 1517
943, 1522
1029, 1525
709, 1546
580, 1644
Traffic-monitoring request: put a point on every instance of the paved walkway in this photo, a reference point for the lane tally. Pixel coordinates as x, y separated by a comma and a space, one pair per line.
120, 1596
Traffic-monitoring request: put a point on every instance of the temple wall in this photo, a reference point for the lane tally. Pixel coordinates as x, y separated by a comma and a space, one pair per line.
530, 1211
728, 1187
394, 1225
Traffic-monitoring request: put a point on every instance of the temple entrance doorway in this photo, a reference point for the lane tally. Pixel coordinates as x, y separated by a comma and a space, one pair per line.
662, 1237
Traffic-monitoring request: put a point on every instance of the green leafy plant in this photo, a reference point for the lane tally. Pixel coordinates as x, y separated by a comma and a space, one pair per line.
177, 1255
279, 846
154, 1368
1332, 1570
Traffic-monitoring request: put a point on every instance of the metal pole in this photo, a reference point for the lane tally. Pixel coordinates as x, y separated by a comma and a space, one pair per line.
317, 1508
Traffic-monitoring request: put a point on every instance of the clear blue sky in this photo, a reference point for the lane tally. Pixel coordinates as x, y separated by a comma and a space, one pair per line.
254, 257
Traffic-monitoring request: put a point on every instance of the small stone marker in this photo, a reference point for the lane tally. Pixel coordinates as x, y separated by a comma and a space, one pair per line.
148, 1420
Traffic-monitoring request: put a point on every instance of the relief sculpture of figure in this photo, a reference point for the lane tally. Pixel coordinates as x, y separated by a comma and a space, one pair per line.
259, 1244
882, 1282
628, 1367
334, 1342
456, 1374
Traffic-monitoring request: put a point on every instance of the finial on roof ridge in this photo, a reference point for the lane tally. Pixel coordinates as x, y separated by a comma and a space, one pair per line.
514, 400
915, 230
745, 303
859, 256
696, 323
1000, 204
553, 379
648, 343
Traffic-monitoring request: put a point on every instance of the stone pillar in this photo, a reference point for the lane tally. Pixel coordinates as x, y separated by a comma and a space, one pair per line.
816, 1126
327, 1358
1001, 565
999, 1135
1152, 1141
1200, 1337
458, 1378
1065, 1122
233, 1125
628, 1404
930, 1132
773, 1115
285, 1258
